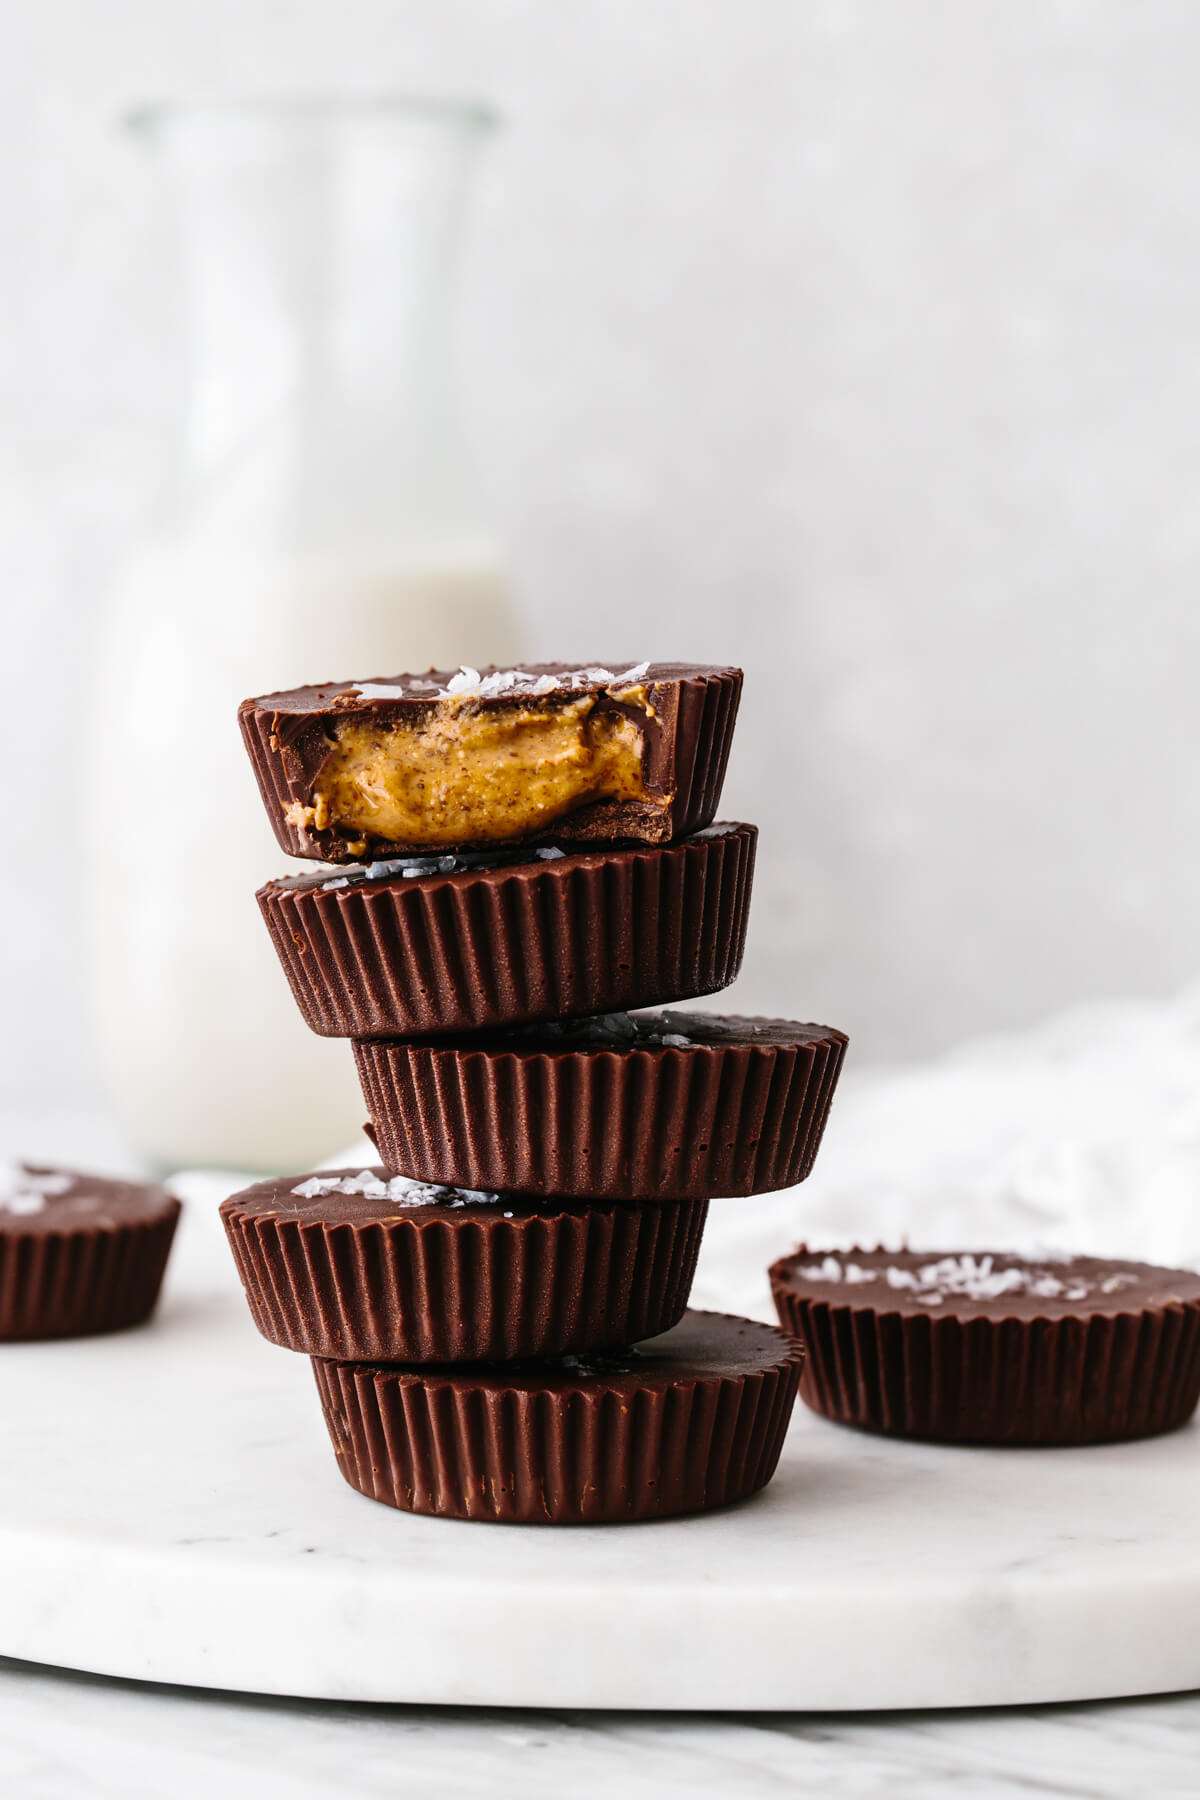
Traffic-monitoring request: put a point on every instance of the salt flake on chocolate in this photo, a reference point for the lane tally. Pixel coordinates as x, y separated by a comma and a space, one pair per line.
398, 1189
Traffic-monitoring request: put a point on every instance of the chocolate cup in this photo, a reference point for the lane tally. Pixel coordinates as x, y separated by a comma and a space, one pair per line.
692, 1420
481, 1283
1008, 1376
481, 948
287, 736
65, 1272
729, 1117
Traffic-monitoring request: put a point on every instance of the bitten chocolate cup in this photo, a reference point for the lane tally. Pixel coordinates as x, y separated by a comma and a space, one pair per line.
353, 770
79, 1254
693, 1419
349, 1264
433, 946
637, 1106
971, 1349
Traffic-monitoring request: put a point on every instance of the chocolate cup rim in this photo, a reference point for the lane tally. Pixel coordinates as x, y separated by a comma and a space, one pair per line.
961, 1309
483, 1212
793, 1353
457, 1045
160, 1216
556, 868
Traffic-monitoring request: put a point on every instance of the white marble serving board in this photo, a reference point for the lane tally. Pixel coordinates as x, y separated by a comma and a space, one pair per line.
170, 1509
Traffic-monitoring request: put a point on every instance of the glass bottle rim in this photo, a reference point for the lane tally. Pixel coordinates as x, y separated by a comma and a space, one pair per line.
147, 118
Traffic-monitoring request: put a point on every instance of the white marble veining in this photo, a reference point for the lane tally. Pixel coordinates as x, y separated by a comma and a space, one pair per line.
977, 1574
175, 1513
65, 1736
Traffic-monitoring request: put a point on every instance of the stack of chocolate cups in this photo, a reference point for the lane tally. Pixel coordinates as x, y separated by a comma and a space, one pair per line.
497, 1315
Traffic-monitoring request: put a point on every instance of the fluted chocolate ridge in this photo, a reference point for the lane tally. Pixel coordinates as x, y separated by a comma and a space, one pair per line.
82, 1280
483, 1283
729, 1116
548, 1446
1004, 1376
480, 948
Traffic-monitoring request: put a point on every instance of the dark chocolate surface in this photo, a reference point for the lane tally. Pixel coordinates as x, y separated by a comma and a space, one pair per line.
36, 1198
404, 874
704, 1346
964, 1284
686, 745
654, 1032
420, 689
281, 1197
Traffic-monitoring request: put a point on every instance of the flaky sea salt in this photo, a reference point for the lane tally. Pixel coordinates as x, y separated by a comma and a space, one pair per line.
398, 1189
23, 1203
383, 690
25, 1191
412, 868
470, 683
966, 1277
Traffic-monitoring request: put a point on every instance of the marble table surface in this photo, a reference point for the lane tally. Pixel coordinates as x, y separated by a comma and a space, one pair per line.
171, 1510
1086, 1133
82, 1737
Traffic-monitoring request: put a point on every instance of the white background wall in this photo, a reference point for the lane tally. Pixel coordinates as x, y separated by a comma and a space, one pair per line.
858, 342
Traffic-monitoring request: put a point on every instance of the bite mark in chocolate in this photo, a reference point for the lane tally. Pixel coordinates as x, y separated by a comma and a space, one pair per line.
365, 769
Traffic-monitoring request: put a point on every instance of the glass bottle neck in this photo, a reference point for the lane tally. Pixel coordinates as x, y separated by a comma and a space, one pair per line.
318, 250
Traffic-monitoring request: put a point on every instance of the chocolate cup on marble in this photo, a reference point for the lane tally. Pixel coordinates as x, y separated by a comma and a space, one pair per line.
478, 948
1017, 1369
686, 737
91, 1260
693, 1419
343, 1275
740, 1110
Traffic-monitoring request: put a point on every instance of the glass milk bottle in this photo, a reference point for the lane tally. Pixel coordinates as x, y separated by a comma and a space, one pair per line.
321, 524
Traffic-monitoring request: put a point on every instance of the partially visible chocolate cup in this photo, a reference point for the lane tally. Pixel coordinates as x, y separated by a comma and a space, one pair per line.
693, 1419
467, 760
965, 1348
640, 1106
432, 946
79, 1254
351, 1264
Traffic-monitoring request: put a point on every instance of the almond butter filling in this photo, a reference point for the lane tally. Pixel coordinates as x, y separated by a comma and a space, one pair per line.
462, 775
